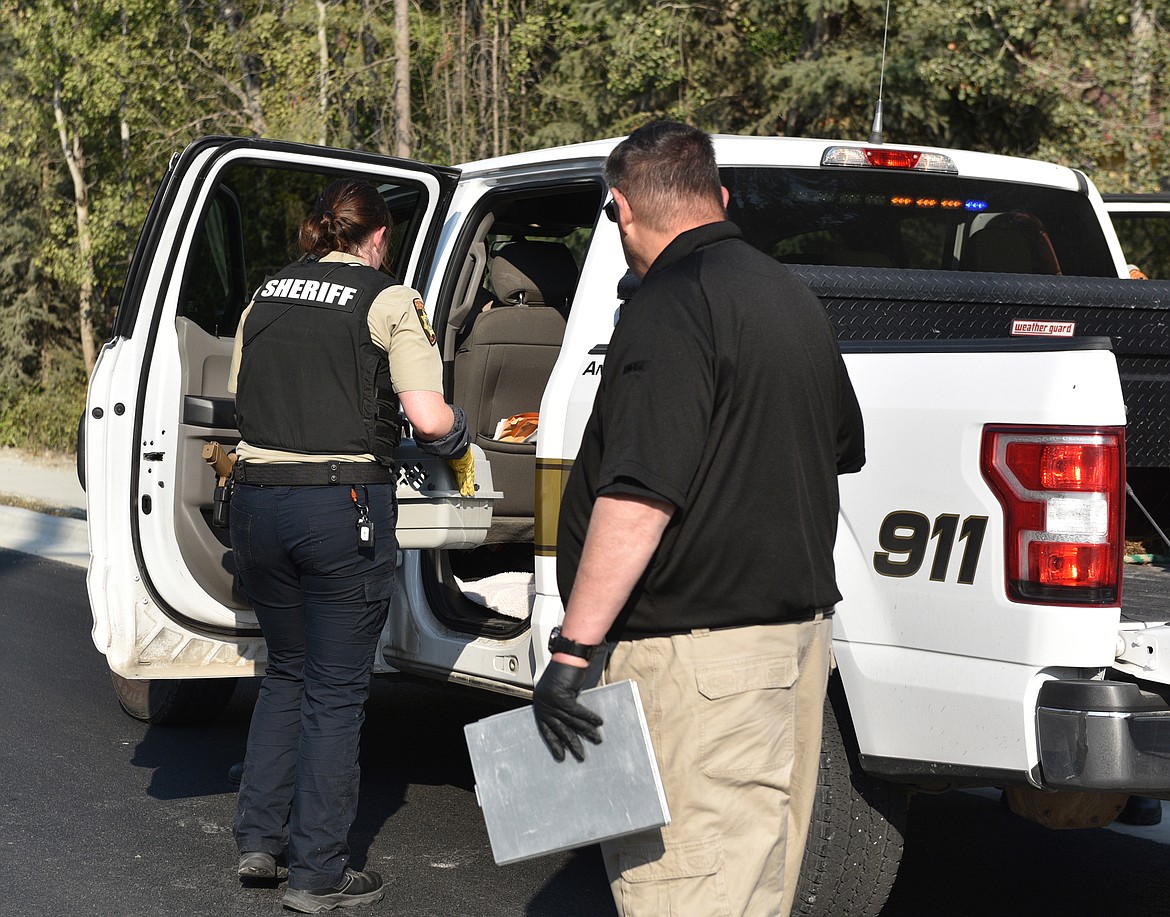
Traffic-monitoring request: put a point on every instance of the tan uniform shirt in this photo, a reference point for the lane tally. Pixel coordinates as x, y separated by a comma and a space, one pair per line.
396, 326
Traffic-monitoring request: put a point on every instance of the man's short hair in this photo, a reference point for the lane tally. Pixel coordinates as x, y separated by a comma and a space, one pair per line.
667, 171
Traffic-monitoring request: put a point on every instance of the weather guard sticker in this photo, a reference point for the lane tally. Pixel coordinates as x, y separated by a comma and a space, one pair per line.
1044, 329
424, 321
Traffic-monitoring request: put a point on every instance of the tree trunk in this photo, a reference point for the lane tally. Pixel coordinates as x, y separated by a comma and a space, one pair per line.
522, 89
483, 95
464, 79
403, 129
124, 124
496, 150
75, 159
322, 74
447, 63
506, 101
1143, 111
250, 66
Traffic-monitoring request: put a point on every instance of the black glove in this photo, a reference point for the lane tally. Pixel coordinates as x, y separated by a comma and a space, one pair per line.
452, 444
558, 715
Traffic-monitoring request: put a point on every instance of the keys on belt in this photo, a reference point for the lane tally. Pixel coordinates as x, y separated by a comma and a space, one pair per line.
365, 525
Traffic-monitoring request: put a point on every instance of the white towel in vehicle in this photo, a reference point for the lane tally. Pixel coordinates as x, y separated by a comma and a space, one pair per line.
511, 594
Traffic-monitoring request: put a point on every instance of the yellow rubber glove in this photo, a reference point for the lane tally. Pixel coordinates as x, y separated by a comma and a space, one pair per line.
464, 468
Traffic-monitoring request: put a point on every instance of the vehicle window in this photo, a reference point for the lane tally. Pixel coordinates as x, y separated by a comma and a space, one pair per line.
219, 279
248, 231
543, 233
925, 221
564, 216
502, 312
1145, 241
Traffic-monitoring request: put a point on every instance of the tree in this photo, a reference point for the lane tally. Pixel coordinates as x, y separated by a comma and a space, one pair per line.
63, 63
29, 327
96, 95
1072, 82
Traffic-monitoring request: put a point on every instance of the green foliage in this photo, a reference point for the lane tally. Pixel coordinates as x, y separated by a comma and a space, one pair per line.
1072, 82
28, 320
115, 87
43, 416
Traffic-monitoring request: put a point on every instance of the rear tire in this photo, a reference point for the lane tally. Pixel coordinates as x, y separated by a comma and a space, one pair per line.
174, 701
855, 834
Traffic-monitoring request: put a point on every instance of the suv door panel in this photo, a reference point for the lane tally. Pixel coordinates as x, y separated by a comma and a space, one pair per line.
225, 220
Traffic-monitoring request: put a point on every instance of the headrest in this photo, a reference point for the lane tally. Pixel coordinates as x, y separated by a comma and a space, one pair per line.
1013, 242
628, 286
534, 274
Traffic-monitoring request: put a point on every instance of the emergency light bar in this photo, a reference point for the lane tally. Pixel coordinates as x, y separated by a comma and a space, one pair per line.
1062, 491
885, 158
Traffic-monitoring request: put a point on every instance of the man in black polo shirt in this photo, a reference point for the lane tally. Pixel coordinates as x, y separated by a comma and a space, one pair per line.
696, 538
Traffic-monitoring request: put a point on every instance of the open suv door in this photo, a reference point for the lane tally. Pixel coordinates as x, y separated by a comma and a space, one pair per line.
162, 582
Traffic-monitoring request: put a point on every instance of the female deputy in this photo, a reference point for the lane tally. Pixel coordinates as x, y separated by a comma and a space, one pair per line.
312, 527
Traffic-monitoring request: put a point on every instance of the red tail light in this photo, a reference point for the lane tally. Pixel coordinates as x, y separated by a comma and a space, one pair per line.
856, 157
1063, 496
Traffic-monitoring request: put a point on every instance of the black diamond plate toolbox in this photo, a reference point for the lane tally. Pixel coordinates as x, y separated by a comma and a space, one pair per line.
876, 304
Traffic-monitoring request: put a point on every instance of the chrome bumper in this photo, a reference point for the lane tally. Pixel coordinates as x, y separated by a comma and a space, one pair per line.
1103, 735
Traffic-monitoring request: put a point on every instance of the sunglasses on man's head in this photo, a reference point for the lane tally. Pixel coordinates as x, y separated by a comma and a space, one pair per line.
611, 210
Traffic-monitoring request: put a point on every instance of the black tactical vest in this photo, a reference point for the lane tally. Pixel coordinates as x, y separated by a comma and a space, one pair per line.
311, 379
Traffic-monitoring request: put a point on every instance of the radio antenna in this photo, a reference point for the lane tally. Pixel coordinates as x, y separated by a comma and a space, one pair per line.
875, 132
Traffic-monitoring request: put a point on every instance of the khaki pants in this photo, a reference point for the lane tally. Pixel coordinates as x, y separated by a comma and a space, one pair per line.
735, 717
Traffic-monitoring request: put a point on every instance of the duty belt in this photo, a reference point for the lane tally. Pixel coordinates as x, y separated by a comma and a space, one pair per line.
312, 473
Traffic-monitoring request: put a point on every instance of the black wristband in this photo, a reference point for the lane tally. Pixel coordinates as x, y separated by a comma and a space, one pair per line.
451, 445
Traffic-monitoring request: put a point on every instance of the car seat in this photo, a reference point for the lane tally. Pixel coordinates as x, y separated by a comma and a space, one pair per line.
502, 367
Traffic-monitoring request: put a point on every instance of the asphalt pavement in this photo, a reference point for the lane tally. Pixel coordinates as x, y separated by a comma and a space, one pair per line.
43, 510
105, 816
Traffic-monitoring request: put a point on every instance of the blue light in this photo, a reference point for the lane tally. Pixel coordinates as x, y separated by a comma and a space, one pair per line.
975, 206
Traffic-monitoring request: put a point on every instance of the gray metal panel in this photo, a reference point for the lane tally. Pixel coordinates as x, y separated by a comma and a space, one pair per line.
534, 805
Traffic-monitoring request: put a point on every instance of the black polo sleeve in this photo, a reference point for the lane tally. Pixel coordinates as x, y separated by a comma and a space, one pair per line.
851, 429
659, 391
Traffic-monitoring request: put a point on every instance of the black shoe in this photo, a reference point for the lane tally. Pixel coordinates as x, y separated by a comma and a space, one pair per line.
1141, 810
236, 773
258, 865
356, 888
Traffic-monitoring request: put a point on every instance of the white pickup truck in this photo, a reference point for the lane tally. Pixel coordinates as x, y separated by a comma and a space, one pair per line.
982, 639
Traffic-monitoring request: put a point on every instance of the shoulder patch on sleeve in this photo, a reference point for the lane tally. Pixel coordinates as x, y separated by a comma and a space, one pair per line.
421, 310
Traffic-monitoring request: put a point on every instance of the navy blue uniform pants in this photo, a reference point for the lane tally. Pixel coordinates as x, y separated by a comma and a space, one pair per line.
321, 602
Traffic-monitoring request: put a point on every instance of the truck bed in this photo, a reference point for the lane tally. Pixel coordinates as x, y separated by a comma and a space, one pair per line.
1145, 592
